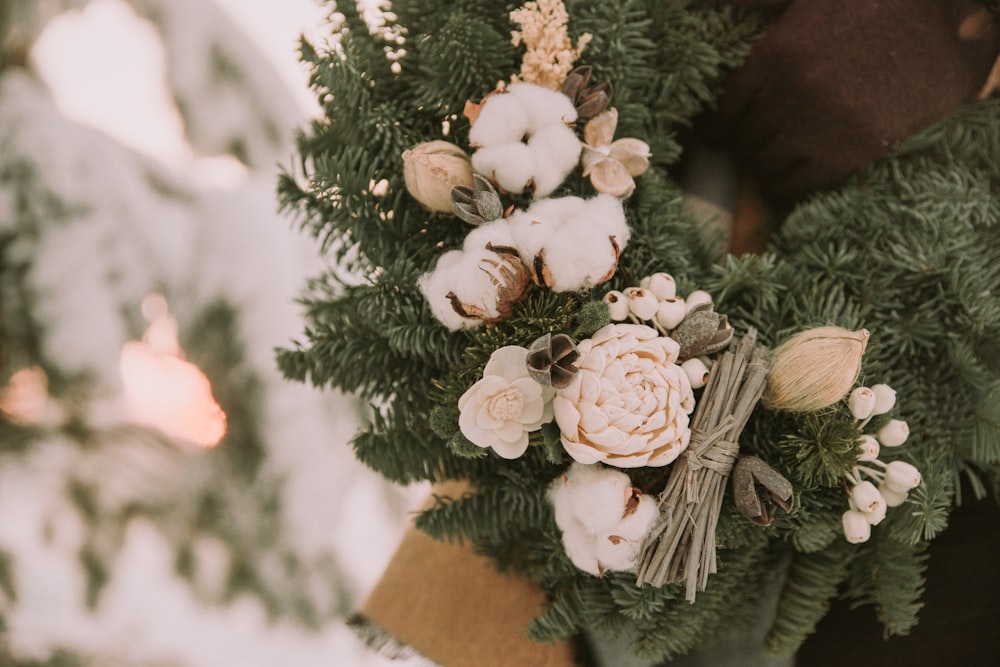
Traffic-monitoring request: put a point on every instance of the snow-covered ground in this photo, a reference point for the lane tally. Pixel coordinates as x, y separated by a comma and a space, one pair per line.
165, 208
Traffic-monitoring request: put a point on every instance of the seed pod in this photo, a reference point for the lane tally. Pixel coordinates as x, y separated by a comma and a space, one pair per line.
814, 369
702, 332
901, 476
894, 433
856, 527
588, 100
617, 305
885, 399
661, 284
697, 372
432, 169
551, 360
869, 448
670, 313
755, 486
641, 303
861, 402
476, 205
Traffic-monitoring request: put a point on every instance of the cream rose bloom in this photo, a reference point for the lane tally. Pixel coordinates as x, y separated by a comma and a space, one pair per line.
630, 403
501, 409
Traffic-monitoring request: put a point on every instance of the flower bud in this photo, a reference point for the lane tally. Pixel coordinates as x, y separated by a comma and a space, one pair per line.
856, 527
617, 305
670, 313
861, 402
894, 433
814, 369
432, 169
698, 297
869, 448
892, 497
662, 285
901, 476
885, 399
642, 303
696, 371
866, 497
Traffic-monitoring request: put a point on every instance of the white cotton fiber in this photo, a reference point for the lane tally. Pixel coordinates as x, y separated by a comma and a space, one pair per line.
511, 166
582, 550
496, 233
435, 285
502, 120
556, 150
607, 213
543, 106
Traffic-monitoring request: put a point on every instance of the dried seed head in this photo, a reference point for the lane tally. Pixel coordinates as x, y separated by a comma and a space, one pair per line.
814, 369
588, 100
478, 204
702, 332
551, 360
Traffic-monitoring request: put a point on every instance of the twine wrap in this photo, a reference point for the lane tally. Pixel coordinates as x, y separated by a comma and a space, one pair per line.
681, 546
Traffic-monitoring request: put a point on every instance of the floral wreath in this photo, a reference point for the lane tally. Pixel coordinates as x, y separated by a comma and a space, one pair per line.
643, 434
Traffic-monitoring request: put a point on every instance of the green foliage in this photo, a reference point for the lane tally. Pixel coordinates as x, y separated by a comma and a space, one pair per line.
907, 249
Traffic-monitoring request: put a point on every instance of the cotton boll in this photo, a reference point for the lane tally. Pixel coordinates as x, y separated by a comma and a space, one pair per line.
510, 166
636, 525
582, 550
497, 234
607, 214
436, 285
615, 552
576, 262
502, 120
543, 106
533, 227
598, 496
556, 151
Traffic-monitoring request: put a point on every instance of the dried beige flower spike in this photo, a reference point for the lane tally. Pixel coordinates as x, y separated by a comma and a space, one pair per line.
550, 53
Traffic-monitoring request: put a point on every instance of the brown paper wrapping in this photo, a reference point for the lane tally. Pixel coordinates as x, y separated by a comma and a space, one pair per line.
453, 607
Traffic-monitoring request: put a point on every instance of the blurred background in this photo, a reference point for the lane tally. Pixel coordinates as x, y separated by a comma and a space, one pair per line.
166, 498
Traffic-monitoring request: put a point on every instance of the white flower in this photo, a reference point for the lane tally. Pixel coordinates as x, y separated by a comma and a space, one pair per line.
894, 433
571, 243
523, 139
856, 527
642, 303
901, 476
885, 398
869, 448
630, 403
603, 519
661, 284
866, 497
501, 409
696, 371
617, 305
892, 497
861, 402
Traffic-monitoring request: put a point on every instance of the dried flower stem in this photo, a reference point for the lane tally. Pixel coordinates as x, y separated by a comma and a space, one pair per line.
681, 546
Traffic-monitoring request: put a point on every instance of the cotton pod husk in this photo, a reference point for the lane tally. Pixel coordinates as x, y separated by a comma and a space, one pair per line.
815, 369
432, 169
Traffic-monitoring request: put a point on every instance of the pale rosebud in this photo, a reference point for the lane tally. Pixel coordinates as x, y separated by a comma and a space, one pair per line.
892, 497
856, 527
432, 169
617, 305
894, 433
697, 372
642, 303
885, 399
662, 285
866, 497
671, 312
901, 476
861, 402
869, 448
698, 297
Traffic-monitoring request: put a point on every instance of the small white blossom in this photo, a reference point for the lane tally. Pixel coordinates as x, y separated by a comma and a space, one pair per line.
885, 398
671, 312
893, 498
856, 527
696, 371
861, 402
501, 409
901, 476
894, 433
641, 303
617, 305
869, 448
698, 298
662, 285
866, 497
